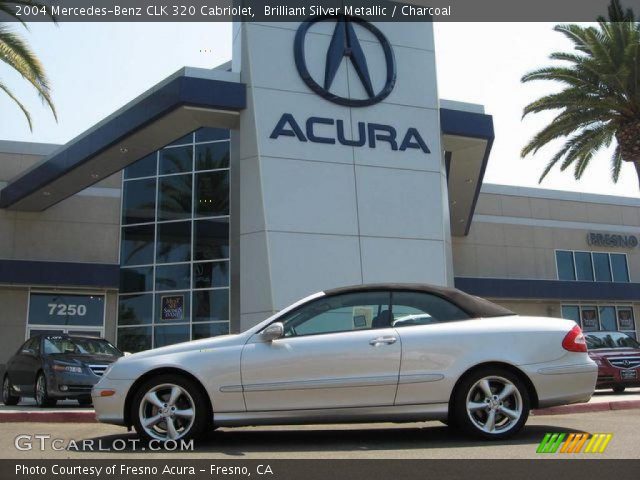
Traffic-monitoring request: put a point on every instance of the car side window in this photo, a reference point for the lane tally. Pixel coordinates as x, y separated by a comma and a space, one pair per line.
25, 346
340, 313
419, 308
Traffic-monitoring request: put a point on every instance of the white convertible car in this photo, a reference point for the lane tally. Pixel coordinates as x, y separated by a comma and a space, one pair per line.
369, 353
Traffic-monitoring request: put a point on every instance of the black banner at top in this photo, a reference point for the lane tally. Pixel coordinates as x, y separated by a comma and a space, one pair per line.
298, 10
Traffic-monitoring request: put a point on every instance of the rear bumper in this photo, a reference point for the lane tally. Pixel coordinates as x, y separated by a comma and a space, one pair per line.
563, 384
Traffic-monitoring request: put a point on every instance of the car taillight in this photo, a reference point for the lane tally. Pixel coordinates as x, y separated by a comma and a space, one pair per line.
574, 341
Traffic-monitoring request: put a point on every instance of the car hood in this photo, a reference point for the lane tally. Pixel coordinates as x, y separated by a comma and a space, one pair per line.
613, 352
205, 343
83, 358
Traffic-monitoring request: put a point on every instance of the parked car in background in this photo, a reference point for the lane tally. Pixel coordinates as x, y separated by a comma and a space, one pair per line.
618, 358
391, 352
54, 367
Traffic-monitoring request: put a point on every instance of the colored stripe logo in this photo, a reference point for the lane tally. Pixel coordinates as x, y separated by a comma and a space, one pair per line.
574, 443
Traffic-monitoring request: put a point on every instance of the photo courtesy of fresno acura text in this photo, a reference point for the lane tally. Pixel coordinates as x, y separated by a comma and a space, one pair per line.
319, 238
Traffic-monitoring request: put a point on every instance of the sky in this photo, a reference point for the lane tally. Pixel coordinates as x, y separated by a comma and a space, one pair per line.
95, 68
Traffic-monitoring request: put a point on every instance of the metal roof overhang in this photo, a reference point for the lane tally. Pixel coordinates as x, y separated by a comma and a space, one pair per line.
194, 98
467, 137
189, 99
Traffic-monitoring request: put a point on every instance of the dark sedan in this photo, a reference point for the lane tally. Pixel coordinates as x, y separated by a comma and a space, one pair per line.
54, 367
618, 358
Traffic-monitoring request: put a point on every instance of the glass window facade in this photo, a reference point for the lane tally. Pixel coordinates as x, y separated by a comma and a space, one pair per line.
592, 318
566, 267
592, 266
174, 257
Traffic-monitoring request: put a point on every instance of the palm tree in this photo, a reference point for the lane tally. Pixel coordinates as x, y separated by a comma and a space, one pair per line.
16, 53
601, 96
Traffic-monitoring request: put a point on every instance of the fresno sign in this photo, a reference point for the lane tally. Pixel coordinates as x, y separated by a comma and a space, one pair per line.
345, 44
596, 239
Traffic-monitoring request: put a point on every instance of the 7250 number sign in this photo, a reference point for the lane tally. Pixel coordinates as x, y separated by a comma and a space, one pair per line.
71, 309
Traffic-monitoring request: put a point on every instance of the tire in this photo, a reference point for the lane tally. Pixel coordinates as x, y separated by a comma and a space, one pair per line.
41, 394
618, 389
473, 408
158, 401
7, 398
85, 401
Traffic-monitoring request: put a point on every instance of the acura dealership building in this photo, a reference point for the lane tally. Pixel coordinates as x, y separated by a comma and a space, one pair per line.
320, 156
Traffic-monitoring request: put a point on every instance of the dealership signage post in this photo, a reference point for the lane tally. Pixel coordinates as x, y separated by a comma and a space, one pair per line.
340, 138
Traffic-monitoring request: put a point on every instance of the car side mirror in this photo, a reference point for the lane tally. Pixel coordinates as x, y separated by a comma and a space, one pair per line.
273, 332
28, 351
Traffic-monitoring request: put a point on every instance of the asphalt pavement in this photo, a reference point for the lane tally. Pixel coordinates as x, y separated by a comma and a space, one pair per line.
427, 440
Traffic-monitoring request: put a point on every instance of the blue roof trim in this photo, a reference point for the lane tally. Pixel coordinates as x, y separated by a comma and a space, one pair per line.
473, 125
182, 91
466, 124
68, 274
548, 289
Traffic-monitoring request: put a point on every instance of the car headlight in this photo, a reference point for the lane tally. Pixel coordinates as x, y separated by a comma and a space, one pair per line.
61, 367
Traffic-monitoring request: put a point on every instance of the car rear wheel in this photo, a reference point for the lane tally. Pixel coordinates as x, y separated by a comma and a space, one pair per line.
491, 403
41, 394
170, 407
618, 389
7, 398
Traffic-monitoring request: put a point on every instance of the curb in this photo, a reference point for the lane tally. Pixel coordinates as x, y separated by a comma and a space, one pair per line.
47, 417
589, 407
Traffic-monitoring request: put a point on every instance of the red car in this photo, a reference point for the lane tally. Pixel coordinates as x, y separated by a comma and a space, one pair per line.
618, 358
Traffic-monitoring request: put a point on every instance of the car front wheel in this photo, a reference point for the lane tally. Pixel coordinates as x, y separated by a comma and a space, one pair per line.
41, 393
170, 407
492, 404
7, 398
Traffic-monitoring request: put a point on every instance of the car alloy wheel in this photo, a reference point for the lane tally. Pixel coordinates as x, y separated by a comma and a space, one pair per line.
494, 404
491, 403
41, 394
5, 389
7, 398
41, 390
167, 412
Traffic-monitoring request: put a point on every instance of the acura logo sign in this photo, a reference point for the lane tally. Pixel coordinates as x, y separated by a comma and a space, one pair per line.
326, 130
345, 44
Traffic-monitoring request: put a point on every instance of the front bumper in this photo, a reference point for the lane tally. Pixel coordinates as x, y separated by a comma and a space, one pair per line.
609, 377
110, 409
70, 385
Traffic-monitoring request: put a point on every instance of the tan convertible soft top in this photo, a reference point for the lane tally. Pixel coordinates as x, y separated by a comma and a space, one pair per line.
474, 306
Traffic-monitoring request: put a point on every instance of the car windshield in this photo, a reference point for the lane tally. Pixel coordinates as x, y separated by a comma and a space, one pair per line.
610, 340
87, 346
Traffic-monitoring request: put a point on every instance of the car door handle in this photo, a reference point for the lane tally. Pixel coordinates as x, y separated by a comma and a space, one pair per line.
382, 340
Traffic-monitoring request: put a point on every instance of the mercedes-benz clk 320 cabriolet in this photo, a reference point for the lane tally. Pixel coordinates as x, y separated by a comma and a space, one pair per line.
369, 353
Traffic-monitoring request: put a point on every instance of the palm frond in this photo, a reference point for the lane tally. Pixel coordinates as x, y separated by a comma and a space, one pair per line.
6, 90
600, 100
616, 164
17, 54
